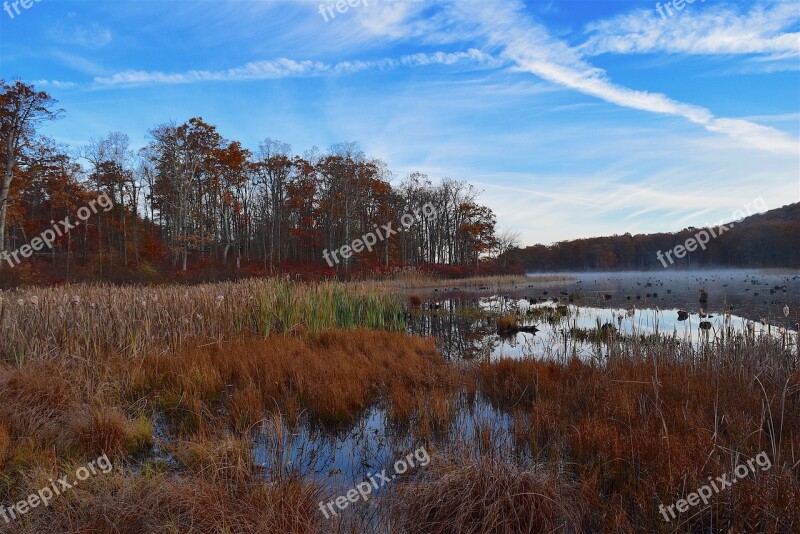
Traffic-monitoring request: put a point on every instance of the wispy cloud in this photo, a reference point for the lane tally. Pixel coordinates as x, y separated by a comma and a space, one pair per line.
283, 68
530, 47
55, 84
86, 35
704, 29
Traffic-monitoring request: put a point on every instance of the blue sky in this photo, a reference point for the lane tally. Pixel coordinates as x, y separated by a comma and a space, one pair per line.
576, 118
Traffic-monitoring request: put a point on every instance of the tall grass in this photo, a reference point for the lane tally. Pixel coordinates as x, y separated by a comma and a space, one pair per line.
416, 280
88, 320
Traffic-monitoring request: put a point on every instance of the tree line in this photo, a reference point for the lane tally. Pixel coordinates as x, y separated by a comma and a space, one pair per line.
191, 197
769, 239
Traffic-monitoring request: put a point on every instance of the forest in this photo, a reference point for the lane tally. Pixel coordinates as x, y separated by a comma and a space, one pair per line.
767, 239
193, 205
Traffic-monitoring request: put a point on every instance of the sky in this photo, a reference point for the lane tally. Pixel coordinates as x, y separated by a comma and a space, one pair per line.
574, 118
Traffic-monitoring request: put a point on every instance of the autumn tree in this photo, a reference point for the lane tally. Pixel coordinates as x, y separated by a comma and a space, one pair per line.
182, 155
22, 109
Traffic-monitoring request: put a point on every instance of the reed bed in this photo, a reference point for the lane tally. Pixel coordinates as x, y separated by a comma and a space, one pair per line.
180, 428
583, 447
648, 429
182, 403
87, 321
414, 280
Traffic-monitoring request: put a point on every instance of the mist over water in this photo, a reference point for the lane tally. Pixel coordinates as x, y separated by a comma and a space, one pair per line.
634, 303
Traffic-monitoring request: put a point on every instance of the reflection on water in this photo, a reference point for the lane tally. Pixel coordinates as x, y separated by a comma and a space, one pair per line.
567, 337
748, 293
339, 459
634, 304
578, 318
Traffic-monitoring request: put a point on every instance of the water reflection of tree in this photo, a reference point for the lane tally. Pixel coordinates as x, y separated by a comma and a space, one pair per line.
460, 327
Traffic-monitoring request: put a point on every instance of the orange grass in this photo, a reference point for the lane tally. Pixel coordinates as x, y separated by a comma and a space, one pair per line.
53, 418
120, 504
636, 434
598, 448
481, 496
333, 375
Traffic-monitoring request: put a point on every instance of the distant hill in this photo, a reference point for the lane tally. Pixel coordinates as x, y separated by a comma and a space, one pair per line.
770, 239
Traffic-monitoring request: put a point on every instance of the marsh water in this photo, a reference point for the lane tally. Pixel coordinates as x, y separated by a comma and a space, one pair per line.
564, 314
633, 303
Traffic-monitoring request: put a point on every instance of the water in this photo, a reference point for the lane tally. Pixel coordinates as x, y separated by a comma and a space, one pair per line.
338, 460
749, 293
633, 303
565, 314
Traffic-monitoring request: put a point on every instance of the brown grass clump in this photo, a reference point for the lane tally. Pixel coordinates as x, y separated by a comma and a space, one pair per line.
221, 459
333, 375
106, 430
102, 430
137, 505
635, 434
5, 442
37, 400
507, 323
246, 407
487, 496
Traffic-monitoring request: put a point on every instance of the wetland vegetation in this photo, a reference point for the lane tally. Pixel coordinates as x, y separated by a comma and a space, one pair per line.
241, 406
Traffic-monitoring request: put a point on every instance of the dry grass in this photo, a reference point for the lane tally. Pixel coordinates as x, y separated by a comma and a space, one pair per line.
636, 434
464, 496
414, 280
53, 419
177, 504
333, 375
176, 404
90, 321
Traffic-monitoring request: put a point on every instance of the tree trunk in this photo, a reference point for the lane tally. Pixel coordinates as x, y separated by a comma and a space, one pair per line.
8, 175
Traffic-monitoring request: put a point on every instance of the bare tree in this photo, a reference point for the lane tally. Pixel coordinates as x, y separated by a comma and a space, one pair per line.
505, 242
